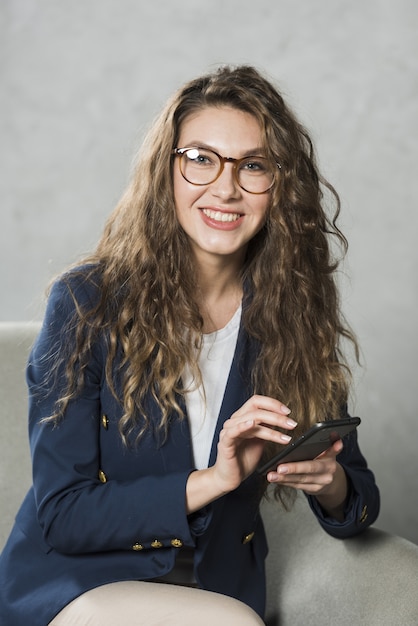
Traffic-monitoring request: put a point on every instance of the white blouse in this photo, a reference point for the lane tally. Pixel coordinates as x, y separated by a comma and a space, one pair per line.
204, 403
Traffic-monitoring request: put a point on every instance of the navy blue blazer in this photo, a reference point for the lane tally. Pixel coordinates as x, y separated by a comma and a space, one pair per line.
100, 512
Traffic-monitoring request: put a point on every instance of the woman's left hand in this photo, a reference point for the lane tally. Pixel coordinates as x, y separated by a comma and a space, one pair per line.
322, 477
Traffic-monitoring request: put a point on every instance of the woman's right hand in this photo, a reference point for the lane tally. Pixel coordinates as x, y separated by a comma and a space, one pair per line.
240, 446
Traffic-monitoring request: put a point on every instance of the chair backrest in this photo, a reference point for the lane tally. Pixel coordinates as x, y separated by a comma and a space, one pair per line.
15, 472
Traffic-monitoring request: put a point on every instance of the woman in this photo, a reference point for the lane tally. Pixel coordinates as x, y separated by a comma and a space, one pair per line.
166, 370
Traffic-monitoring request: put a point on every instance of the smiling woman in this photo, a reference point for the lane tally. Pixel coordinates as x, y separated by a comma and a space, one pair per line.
166, 371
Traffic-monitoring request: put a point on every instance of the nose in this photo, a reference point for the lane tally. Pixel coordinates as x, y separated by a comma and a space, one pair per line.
226, 185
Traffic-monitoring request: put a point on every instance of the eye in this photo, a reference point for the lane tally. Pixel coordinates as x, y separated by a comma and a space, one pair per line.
255, 165
200, 157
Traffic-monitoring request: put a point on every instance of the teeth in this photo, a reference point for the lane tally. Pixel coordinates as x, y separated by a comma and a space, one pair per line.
221, 217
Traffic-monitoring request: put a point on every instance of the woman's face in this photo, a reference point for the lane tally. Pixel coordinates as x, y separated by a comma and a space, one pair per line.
220, 218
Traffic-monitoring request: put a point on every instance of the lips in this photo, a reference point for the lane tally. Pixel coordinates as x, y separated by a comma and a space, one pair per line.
220, 216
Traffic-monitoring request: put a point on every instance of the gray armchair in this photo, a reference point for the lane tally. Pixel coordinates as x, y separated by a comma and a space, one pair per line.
316, 580
313, 579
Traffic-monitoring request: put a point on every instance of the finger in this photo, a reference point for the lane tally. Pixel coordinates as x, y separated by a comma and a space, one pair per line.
301, 468
250, 428
306, 482
265, 403
308, 488
333, 451
319, 471
270, 404
261, 416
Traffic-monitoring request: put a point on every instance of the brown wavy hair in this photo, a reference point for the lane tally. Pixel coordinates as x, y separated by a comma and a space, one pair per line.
147, 277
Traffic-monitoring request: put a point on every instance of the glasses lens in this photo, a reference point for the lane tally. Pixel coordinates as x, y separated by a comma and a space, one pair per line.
200, 167
256, 174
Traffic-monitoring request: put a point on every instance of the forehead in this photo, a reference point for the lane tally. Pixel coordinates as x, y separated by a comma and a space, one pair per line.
221, 128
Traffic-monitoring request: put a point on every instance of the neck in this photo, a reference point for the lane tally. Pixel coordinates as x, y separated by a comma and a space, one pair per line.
220, 293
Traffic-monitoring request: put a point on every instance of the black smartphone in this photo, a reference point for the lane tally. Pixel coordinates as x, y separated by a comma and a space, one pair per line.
315, 441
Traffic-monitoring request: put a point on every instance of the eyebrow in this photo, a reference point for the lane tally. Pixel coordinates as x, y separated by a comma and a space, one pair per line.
201, 144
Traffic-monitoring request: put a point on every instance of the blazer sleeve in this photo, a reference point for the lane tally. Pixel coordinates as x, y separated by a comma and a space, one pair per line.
363, 503
77, 512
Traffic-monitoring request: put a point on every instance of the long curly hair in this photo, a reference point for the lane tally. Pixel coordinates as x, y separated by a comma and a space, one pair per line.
148, 309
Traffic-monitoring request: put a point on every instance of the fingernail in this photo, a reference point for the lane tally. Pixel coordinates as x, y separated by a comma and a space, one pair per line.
291, 423
282, 469
285, 438
285, 409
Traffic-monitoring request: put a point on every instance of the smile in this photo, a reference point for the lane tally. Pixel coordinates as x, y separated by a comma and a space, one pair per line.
218, 216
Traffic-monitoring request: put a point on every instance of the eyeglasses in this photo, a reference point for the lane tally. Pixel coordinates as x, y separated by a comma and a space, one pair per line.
200, 166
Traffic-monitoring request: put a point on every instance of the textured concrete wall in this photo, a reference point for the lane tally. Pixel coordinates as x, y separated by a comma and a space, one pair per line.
79, 82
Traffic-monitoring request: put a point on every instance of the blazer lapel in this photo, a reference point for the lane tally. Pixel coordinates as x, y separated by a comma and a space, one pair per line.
177, 452
238, 388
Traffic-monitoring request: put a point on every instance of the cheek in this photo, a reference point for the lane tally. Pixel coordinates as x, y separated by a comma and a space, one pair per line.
182, 192
182, 201
177, 187
261, 209
185, 194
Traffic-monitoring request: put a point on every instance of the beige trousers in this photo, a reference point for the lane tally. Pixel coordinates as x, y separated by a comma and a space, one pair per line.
135, 603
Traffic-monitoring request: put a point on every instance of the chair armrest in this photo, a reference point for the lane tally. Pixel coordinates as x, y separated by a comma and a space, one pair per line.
315, 579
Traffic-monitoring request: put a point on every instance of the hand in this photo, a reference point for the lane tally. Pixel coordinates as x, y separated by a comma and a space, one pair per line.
240, 447
241, 441
323, 478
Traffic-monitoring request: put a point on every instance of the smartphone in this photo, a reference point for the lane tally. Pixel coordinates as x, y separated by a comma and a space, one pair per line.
315, 441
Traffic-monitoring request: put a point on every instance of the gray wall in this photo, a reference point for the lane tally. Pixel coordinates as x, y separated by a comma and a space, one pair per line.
80, 81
